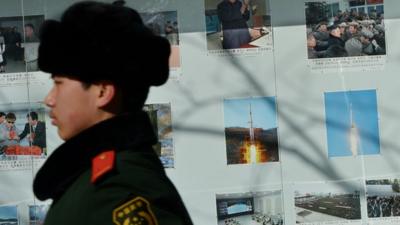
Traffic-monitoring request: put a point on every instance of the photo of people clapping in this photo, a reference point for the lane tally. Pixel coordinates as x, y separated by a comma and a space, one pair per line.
343, 29
238, 24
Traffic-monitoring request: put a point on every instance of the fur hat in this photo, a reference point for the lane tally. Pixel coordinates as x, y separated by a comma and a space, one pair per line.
354, 24
321, 36
353, 47
380, 28
96, 41
320, 24
367, 33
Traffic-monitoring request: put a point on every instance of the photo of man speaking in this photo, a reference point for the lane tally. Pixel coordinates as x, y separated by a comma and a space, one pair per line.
237, 24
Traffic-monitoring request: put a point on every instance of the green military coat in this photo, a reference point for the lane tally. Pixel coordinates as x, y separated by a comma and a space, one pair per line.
109, 174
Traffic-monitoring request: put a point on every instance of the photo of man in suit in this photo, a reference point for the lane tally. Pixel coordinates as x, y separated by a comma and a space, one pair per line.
35, 131
233, 15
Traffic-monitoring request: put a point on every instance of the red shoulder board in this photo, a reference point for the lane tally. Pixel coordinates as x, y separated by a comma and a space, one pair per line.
101, 164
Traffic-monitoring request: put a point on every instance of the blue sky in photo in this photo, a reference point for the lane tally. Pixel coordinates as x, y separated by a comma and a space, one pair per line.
8, 212
237, 112
365, 116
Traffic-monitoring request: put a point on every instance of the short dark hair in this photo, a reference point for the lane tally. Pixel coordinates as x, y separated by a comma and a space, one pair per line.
33, 115
2, 114
11, 116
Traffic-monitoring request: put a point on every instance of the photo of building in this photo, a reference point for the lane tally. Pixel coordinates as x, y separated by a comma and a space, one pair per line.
250, 208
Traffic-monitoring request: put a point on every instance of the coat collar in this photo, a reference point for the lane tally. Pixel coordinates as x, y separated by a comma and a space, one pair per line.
69, 160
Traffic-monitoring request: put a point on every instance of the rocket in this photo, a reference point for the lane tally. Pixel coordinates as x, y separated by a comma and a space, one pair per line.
354, 136
251, 128
253, 149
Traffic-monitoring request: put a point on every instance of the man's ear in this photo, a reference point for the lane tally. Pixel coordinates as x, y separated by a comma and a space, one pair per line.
105, 92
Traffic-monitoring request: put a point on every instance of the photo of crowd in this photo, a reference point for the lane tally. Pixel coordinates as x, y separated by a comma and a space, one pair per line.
383, 198
19, 43
250, 208
345, 28
165, 24
319, 207
22, 132
233, 24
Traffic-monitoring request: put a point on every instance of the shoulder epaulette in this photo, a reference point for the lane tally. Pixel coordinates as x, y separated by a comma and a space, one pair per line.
101, 164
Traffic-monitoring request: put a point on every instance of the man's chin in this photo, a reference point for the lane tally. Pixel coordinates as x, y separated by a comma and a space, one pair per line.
62, 135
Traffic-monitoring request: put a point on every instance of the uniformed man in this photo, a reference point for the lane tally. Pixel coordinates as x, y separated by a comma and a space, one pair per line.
103, 60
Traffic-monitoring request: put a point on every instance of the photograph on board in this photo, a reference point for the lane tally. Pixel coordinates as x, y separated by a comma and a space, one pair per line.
8, 215
251, 130
166, 25
352, 123
234, 24
258, 208
22, 131
383, 198
19, 43
160, 118
324, 202
37, 214
345, 28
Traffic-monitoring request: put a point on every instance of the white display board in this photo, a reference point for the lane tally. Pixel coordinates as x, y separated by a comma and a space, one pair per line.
260, 134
